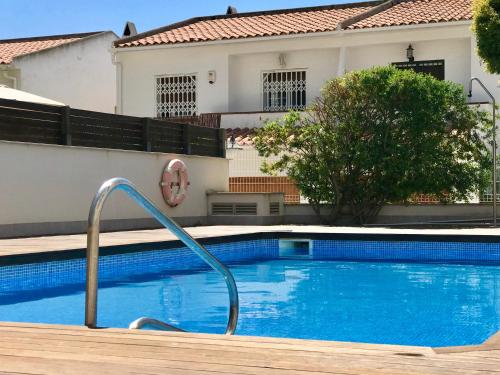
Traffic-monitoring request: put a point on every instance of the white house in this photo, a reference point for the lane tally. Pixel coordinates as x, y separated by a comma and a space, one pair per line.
250, 67
276, 60
75, 69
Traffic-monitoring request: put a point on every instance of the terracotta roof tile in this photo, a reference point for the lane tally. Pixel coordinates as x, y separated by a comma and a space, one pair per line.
418, 12
11, 48
304, 20
241, 136
248, 25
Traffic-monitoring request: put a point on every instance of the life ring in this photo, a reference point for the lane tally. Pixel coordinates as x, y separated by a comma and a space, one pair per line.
174, 183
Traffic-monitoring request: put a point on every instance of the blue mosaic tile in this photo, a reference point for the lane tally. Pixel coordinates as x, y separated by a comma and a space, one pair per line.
51, 274
113, 267
419, 251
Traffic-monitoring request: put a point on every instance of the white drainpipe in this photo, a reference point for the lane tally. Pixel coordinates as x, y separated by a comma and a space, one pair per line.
342, 61
119, 104
13, 79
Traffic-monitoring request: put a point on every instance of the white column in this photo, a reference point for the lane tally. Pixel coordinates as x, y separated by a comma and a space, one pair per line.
342, 61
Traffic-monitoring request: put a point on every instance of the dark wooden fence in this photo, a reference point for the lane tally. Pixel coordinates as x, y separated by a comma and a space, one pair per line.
39, 123
207, 120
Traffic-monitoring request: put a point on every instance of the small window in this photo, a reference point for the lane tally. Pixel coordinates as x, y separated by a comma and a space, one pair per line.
284, 90
176, 96
433, 67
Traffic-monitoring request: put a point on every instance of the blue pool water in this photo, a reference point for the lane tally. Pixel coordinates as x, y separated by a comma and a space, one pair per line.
376, 302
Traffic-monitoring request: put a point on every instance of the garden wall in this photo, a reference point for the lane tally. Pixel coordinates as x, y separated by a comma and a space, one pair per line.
401, 214
47, 189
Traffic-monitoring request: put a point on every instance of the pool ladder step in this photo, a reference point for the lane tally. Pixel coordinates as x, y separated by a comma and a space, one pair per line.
93, 231
153, 323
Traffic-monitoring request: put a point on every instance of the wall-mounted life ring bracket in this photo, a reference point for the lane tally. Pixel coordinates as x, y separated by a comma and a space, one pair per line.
175, 182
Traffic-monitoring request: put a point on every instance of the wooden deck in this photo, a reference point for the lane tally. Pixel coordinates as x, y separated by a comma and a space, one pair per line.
51, 349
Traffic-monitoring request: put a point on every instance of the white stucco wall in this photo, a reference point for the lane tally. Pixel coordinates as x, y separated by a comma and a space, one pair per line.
455, 52
239, 63
140, 69
55, 184
245, 161
491, 81
248, 120
80, 74
245, 74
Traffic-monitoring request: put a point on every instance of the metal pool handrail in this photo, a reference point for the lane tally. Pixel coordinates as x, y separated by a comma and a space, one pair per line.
93, 249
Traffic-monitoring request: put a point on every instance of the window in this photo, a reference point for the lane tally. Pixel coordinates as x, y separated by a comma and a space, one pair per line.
176, 95
284, 90
433, 67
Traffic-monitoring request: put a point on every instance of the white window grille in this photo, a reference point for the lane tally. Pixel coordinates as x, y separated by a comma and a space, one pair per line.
284, 90
176, 95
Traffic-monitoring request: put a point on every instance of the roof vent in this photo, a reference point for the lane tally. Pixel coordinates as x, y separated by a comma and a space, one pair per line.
129, 30
231, 10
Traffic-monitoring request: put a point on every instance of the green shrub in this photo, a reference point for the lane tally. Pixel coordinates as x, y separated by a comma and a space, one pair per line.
380, 135
487, 28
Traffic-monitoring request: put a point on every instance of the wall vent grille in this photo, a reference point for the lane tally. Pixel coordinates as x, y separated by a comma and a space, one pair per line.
274, 208
222, 209
231, 209
245, 209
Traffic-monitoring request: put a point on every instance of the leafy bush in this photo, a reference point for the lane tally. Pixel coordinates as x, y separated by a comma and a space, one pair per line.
487, 28
380, 135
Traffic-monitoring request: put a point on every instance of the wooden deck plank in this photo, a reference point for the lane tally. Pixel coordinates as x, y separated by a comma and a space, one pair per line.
264, 361
185, 344
25, 365
158, 335
492, 343
151, 351
214, 345
48, 349
83, 333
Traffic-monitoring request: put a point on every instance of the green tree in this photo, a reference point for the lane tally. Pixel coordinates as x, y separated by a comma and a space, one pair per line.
487, 28
380, 135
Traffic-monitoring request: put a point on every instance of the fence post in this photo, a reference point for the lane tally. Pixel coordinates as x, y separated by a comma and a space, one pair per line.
146, 133
216, 123
221, 139
186, 139
66, 125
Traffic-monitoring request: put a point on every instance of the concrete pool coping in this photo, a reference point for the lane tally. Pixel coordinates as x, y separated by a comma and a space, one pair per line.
33, 245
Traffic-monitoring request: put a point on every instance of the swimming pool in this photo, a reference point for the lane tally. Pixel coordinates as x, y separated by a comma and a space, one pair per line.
432, 293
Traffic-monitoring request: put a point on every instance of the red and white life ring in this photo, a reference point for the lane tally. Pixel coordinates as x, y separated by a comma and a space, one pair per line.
174, 183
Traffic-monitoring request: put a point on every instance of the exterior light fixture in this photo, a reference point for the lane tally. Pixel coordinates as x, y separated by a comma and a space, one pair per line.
409, 53
211, 77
